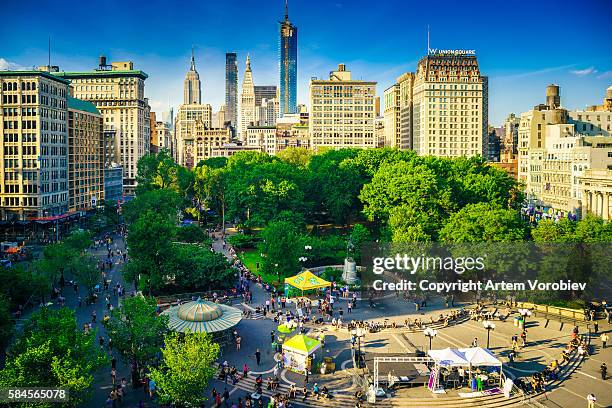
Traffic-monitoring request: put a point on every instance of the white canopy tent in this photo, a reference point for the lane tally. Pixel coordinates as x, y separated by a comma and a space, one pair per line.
465, 357
479, 356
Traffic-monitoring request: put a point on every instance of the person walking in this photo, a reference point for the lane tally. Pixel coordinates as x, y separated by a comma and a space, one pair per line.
258, 356
113, 375
604, 339
591, 400
604, 371
245, 370
238, 340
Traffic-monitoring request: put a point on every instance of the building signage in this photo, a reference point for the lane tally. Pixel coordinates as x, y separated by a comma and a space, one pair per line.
436, 51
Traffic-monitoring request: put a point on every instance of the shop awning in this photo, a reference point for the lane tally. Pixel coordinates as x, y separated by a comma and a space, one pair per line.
306, 281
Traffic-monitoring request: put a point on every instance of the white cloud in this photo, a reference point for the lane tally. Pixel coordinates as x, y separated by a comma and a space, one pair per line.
584, 72
606, 74
9, 66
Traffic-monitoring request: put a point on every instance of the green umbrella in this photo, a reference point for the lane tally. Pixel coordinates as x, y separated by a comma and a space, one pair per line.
284, 329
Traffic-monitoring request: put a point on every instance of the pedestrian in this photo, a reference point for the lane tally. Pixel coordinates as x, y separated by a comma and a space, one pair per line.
349, 307
604, 371
604, 339
257, 356
475, 342
591, 400
93, 316
113, 362
226, 397
113, 375
238, 340
596, 327
272, 336
245, 370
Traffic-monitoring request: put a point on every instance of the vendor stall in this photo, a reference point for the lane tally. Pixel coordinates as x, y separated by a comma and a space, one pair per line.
299, 353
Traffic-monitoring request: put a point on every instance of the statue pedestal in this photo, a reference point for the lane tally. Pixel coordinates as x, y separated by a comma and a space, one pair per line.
349, 273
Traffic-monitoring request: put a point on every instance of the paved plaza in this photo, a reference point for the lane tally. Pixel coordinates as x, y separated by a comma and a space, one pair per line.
544, 344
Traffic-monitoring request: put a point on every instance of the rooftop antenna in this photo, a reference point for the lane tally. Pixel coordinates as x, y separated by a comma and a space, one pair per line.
286, 10
427, 38
49, 61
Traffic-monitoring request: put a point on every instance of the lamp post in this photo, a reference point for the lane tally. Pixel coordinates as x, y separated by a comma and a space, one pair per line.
489, 326
525, 313
431, 333
358, 333
302, 260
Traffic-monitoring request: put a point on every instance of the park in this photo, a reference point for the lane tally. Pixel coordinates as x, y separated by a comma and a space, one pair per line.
248, 282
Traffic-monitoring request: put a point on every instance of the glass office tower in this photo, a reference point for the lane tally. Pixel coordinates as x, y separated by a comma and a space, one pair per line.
288, 65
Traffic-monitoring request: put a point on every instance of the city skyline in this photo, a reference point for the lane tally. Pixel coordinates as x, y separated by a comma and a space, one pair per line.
518, 64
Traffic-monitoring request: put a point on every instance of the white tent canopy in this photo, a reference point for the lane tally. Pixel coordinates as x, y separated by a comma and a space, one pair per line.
449, 357
479, 356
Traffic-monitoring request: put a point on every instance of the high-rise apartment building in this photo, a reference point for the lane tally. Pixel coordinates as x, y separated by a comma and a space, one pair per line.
265, 92
33, 145
288, 65
118, 92
342, 111
247, 100
85, 155
231, 88
192, 89
219, 118
443, 107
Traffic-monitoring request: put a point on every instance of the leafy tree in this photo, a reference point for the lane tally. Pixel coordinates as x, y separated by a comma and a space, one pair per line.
55, 258
194, 268
214, 162
484, 222
192, 234
52, 351
6, 322
156, 171
359, 236
149, 242
136, 330
281, 247
186, 369
165, 202
550, 231
298, 156
210, 189
84, 268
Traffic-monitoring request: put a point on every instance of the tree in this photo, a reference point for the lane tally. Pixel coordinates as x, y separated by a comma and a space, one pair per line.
6, 322
156, 171
214, 162
192, 234
281, 248
165, 202
484, 222
149, 242
187, 367
359, 236
191, 267
78, 240
210, 187
84, 268
298, 156
52, 351
137, 331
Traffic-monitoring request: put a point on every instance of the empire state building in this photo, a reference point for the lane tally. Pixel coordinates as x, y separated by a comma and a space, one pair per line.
192, 94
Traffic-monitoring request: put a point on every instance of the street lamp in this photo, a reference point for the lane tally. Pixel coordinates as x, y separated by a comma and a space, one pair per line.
431, 333
302, 259
489, 326
358, 333
525, 313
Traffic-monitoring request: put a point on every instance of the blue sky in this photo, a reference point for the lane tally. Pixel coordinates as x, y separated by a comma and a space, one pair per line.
522, 45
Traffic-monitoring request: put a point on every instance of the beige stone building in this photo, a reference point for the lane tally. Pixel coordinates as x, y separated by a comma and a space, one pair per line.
85, 155
441, 109
597, 192
342, 111
188, 119
230, 149
163, 137
118, 91
263, 137
292, 131
33, 145
557, 148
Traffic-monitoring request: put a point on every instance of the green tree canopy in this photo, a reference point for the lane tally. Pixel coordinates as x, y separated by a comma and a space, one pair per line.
187, 367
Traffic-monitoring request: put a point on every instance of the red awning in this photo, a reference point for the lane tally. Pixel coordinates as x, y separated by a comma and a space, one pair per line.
53, 217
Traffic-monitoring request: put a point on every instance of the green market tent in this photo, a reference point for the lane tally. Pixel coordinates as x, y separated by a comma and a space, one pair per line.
306, 281
202, 316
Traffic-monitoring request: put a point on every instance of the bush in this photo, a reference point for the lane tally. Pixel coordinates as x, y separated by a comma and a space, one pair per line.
332, 275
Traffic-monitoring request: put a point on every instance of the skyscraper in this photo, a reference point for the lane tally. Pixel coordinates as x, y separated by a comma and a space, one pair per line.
247, 100
193, 88
231, 88
288, 65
